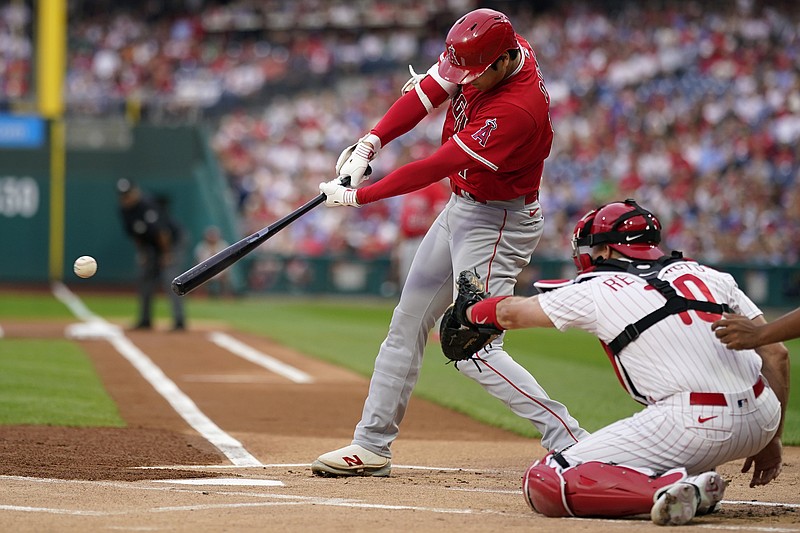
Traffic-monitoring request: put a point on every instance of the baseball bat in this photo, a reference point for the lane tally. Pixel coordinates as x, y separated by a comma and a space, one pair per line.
204, 271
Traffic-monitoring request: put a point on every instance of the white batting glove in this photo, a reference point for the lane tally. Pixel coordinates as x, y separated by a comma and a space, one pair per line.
354, 160
337, 195
414, 80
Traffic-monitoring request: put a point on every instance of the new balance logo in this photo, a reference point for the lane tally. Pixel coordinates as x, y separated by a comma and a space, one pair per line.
704, 419
353, 461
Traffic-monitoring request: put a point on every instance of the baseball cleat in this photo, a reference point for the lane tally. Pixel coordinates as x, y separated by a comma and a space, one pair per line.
675, 505
712, 489
351, 460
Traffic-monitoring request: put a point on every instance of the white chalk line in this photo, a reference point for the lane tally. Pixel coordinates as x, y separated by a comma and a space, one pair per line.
227, 378
765, 529
237, 347
183, 405
724, 502
224, 482
308, 465
287, 499
755, 502
283, 499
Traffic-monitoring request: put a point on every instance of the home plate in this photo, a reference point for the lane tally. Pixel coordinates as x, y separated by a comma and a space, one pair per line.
224, 481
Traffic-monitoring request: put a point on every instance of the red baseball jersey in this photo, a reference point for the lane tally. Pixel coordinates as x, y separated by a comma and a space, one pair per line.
507, 130
494, 143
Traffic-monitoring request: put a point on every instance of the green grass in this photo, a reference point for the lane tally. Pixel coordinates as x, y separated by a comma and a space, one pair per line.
51, 382
571, 366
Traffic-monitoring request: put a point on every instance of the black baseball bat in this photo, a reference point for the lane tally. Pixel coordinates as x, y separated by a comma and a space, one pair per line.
204, 271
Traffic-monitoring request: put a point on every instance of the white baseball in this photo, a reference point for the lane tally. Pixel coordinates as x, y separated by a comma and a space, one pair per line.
85, 266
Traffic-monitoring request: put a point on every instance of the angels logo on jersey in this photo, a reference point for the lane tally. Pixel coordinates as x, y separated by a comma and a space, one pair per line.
482, 135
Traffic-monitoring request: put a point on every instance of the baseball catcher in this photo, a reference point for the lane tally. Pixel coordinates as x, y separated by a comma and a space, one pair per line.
663, 459
460, 338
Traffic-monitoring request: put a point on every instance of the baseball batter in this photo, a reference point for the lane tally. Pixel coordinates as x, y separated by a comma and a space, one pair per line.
706, 404
495, 139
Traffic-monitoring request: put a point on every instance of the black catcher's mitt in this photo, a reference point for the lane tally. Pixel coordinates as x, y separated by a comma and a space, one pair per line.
460, 338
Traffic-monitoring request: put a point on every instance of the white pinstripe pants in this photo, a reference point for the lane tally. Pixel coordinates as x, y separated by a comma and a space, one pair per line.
673, 433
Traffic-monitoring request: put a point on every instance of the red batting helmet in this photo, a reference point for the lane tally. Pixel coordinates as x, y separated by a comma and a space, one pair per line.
474, 42
623, 226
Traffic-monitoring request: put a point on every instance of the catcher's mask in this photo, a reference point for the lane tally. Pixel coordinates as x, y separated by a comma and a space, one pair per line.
474, 43
623, 226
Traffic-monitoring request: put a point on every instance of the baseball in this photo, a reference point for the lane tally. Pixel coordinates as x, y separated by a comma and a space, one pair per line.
85, 266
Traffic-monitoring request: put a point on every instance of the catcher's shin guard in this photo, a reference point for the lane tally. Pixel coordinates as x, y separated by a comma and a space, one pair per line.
593, 489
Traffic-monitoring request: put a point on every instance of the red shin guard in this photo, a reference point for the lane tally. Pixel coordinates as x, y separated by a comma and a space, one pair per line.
593, 489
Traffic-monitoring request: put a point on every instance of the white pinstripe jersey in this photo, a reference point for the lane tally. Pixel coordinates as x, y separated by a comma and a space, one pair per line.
677, 354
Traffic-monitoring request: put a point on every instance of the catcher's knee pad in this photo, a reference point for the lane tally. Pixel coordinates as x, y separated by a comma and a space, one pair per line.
543, 488
593, 489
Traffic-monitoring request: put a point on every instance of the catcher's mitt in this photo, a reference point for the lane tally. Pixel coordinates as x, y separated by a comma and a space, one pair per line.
459, 337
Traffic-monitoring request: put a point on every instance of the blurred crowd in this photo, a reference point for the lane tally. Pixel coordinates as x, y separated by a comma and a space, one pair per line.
693, 112
692, 108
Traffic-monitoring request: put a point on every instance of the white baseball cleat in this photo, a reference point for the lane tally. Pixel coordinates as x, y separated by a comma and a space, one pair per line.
351, 460
676, 505
712, 489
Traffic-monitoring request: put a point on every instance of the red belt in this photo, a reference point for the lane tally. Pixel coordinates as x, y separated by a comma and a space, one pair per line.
529, 198
717, 398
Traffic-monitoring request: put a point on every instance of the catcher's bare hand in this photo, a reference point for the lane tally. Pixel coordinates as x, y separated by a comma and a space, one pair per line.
767, 463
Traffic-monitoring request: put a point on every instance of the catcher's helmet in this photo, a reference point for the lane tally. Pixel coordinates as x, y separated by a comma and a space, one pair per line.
474, 42
623, 226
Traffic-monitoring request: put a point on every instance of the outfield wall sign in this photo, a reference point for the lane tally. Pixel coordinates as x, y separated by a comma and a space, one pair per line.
21, 132
19, 197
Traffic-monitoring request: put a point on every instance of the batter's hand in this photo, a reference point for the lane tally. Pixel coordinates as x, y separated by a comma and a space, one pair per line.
737, 332
354, 160
337, 194
768, 463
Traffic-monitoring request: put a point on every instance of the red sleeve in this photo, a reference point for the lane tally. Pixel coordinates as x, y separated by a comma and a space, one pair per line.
447, 160
408, 111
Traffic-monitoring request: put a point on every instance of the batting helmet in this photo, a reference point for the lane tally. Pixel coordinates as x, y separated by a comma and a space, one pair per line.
623, 226
474, 42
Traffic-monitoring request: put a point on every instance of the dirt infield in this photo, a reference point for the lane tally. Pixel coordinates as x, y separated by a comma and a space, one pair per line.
159, 474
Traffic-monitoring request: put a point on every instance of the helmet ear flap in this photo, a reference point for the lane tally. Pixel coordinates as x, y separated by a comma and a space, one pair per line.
581, 236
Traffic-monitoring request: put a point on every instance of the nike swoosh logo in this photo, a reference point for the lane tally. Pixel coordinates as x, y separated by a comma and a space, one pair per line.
483, 321
629, 238
704, 419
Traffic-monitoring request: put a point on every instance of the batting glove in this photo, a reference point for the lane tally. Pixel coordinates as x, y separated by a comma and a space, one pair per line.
413, 80
354, 160
337, 195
